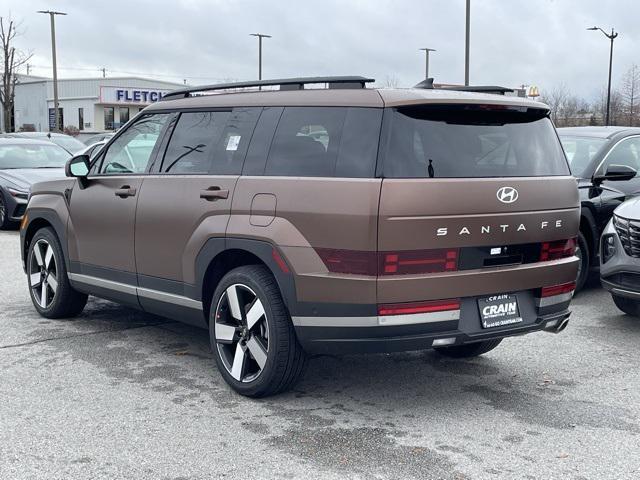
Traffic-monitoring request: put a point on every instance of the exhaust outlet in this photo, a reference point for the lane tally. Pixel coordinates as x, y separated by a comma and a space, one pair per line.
560, 326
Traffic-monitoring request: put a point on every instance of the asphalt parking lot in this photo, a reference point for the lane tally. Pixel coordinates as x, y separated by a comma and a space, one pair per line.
121, 394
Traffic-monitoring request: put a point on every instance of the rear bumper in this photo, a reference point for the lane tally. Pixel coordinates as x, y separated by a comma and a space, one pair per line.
370, 334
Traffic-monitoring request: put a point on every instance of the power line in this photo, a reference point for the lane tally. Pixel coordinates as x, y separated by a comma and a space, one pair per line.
104, 71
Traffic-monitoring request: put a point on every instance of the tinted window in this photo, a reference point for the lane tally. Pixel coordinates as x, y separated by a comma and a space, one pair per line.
627, 152
131, 151
467, 141
580, 151
306, 142
192, 143
231, 149
325, 142
261, 141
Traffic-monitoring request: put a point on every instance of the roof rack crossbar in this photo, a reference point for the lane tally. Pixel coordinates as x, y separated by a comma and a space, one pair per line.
283, 83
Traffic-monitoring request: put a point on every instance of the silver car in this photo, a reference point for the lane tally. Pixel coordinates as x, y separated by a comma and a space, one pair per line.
620, 257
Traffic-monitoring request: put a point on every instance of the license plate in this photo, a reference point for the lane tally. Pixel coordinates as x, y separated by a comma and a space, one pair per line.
499, 310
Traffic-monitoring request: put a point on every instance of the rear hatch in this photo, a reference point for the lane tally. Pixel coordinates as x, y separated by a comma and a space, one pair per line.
476, 199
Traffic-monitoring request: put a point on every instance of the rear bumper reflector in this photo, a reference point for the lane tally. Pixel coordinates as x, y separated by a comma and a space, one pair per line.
430, 306
560, 289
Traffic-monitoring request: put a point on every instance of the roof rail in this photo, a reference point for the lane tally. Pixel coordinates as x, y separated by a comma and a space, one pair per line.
283, 83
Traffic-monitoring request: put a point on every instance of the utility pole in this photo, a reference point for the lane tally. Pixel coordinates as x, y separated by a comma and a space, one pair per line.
56, 112
611, 37
466, 44
260, 37
104, 72
426, 60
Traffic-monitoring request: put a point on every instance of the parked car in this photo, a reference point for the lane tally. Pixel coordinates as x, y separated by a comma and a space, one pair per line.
22, 163
67, 142
620, 256
93, 149
450, 224
99, 137
605, 161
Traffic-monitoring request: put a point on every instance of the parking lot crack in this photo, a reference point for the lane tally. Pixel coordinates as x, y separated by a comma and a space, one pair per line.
65, 337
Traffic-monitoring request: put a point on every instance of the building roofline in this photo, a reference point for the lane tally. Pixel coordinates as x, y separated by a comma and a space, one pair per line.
105, 79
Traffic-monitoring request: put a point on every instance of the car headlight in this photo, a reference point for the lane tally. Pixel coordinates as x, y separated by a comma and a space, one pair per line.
608, 247
21, 194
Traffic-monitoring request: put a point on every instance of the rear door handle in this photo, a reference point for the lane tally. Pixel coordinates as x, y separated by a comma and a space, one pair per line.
214, 193
125, 191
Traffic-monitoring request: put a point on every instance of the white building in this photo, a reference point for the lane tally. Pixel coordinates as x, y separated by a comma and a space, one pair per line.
89, 104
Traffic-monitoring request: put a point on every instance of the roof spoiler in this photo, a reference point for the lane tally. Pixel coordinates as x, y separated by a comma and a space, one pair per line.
494, 89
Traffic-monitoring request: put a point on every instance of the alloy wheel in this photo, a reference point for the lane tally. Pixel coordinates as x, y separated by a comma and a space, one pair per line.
43, 273
241, 333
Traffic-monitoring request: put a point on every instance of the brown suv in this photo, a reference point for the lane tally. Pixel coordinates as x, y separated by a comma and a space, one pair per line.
301, 220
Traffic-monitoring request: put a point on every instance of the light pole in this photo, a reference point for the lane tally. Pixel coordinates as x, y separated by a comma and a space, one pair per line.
260, 37
426, 60
611, 37
466, 44
56, 113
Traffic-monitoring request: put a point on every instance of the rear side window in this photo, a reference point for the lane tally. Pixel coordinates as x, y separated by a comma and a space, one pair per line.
193, 142
325, 142
472, 141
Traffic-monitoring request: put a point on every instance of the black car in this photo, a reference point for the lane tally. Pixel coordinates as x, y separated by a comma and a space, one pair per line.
22, 163
605, 161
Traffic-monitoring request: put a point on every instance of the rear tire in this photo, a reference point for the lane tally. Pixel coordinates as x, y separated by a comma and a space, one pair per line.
582, 252
627, 305
469, 350
252, 337
51, 293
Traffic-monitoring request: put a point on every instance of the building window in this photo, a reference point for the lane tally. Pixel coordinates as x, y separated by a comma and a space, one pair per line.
108, 118
124, 115
81, 119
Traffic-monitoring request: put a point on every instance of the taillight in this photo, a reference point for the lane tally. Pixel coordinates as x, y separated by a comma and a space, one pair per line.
405, 262
558, 249
418, 261
419, 307
557, 289
349, 261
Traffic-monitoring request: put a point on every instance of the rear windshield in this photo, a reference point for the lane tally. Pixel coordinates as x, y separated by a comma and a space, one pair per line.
472, 141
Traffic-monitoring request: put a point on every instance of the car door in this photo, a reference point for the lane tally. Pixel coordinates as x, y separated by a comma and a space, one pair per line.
625, 152
187, 199
102, 210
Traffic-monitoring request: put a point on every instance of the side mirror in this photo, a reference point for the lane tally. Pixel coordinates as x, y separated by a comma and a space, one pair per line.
77, 167
616, 173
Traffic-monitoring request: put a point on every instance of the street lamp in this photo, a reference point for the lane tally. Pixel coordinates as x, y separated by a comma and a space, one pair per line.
260, 37
426, 60
467, 42
56, 113
611, 37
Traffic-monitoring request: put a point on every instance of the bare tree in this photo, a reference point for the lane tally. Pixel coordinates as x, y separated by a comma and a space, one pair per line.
12, 59
556, 98
391, 81
616, 110
630, 92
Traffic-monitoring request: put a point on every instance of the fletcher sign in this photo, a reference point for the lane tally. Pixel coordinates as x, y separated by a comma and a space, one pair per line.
131, 95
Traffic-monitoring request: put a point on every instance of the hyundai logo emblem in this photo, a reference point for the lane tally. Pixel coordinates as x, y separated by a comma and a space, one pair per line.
507, 194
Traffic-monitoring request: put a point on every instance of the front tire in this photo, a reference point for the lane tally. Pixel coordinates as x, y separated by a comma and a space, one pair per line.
469, 350
5, 223
51, 293
252, 337
627, 305
582, 252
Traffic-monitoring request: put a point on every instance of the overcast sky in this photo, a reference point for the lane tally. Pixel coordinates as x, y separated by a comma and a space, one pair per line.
513, 42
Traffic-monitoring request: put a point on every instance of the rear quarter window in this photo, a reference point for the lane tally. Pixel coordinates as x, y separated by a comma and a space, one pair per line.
325, 142
471, 142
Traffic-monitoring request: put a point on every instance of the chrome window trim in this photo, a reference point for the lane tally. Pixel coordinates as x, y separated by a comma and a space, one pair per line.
611, 150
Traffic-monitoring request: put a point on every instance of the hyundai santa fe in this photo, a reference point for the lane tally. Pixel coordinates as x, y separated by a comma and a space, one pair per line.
317, 215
